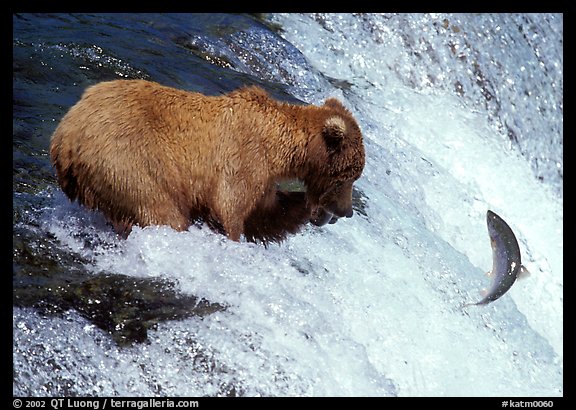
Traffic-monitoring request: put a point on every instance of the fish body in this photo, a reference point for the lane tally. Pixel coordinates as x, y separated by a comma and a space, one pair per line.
506, 262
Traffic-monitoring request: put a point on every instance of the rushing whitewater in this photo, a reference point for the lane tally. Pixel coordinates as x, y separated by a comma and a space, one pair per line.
460, 114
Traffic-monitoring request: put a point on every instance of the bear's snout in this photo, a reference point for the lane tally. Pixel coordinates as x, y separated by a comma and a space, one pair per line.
341, 213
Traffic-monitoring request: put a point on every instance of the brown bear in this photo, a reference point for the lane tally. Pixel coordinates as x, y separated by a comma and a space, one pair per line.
147, 154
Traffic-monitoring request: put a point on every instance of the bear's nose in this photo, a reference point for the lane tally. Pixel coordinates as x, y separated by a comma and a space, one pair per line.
344, 212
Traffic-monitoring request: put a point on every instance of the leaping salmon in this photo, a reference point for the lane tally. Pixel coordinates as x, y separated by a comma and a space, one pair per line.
506, 263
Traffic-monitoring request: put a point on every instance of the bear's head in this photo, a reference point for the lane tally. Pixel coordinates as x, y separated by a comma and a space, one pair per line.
337, 162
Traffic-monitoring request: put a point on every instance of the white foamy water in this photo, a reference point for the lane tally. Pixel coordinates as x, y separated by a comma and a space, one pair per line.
369, 306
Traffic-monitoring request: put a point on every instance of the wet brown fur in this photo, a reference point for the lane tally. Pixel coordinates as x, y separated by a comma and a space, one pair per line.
147, 154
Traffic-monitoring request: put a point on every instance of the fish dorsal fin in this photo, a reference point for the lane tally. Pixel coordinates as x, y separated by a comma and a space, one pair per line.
523, 273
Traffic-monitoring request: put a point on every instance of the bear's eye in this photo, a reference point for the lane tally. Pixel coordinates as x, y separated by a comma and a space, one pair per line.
337, 186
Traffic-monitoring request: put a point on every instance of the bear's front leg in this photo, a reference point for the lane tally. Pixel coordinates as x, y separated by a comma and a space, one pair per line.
232, 206
233, 224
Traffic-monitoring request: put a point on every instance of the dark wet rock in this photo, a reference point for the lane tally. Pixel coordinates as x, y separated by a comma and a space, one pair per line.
53, 281
263, 19
359, 201
200, 48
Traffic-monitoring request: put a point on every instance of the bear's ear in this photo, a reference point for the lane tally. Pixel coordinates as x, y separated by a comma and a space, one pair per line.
334, 104
334, 131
